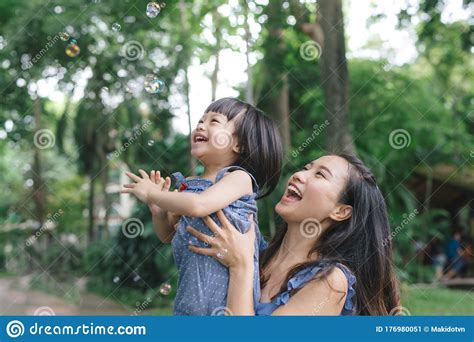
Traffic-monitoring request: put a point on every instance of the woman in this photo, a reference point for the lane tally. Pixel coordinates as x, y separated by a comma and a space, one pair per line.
332, 257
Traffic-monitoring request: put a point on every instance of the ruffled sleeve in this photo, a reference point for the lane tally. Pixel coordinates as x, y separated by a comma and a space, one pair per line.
349, 307
178, 179
307, 274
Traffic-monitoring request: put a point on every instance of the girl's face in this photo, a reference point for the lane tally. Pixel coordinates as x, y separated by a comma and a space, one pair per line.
314, 192
213, 140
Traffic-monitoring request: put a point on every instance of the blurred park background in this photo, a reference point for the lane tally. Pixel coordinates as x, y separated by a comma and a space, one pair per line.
91, 88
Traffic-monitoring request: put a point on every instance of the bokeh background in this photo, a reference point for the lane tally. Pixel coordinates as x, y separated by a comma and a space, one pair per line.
91, 88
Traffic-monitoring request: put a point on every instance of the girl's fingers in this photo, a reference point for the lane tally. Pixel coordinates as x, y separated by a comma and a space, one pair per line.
223, 220
144, 174
211, 224
126, 191
167, 185
201, 236
152, 176
203, 251
131, 186
132, 176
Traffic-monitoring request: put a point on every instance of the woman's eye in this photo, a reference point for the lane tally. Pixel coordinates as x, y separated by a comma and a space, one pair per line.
214, 120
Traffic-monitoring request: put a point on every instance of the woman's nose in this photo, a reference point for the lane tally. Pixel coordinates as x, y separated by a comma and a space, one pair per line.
299, 177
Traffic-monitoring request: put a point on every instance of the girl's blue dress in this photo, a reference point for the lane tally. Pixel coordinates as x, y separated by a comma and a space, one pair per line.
299, 280
203, 281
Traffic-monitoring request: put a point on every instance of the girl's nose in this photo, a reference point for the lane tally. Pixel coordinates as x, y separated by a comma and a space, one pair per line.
200, 127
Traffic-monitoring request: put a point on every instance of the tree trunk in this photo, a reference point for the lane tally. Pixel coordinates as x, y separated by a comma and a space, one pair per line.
39, 187
334, 76
184, 26
249, 85
215, 72
280, 98
91, 234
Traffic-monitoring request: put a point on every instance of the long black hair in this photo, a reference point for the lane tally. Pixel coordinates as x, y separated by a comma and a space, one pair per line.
261, 150
361, 243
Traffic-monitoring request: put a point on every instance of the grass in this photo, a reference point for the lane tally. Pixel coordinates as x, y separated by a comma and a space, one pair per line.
432, 301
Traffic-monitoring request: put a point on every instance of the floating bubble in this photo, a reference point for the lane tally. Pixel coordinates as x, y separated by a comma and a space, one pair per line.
152, 9
151, 142
72, 50
116, 279
165, 289
136, 278
153, 84
72, 41
116, 27
64, 36
162, 5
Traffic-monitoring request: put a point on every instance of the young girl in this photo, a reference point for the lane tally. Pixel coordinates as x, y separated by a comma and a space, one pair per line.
241, 151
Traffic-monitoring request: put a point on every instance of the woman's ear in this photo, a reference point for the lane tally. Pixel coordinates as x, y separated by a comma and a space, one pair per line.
236, 148
341, 213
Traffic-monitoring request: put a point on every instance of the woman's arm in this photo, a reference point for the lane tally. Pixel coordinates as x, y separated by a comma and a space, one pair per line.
232, 186
324, 296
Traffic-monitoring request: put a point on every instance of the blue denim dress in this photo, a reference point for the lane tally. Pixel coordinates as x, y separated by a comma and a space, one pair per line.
299, 280
203, 281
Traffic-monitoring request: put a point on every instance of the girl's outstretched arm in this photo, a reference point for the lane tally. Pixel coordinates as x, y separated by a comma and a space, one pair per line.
229, 189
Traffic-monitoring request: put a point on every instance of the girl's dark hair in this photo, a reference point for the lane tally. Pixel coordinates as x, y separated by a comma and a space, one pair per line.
361, 243
261, 150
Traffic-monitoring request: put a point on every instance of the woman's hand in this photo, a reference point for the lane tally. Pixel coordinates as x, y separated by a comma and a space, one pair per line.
228, 246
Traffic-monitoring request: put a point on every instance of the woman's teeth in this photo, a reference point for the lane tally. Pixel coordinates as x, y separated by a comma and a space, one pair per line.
294, 192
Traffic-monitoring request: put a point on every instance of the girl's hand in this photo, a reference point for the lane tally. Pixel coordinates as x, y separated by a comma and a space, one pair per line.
228, 246
164, 183
142, 186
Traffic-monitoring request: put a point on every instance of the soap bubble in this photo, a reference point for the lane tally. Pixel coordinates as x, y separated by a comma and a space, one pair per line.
72, 41
72, 50
64, 36
152, 9
153, 84
151, 142
165, 289
116, 27
162, 5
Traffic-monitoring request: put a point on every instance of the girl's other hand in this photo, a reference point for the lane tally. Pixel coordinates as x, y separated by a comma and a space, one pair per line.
163, 184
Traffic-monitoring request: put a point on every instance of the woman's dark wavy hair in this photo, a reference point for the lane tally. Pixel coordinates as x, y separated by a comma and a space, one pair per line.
261, 150
361, 243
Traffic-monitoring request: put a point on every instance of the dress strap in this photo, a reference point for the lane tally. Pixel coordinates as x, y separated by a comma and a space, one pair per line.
224, 170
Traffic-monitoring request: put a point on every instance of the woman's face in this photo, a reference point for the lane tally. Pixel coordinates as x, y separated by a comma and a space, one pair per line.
314, 191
